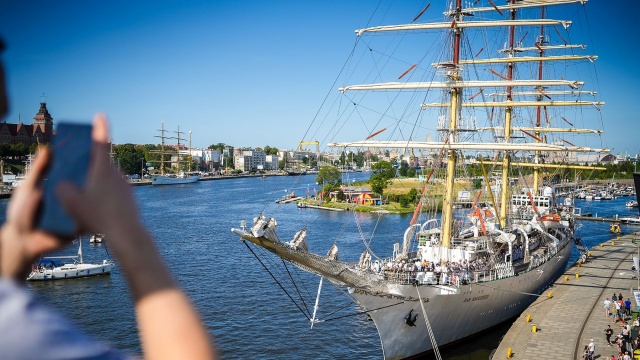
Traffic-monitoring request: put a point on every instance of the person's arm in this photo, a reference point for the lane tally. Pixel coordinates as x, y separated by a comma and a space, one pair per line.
169, 325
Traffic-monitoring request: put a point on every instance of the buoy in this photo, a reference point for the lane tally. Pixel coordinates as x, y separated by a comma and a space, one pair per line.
534, 328
509, 353
577, 275
528, 318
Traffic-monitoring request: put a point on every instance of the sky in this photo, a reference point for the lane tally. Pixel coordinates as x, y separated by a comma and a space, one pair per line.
244, 73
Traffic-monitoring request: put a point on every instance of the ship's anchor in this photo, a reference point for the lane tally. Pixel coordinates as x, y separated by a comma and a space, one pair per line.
411, 321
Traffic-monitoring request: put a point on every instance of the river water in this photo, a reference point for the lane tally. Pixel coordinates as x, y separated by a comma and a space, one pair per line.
248, 313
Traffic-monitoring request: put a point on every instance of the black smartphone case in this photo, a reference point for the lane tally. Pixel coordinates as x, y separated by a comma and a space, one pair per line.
70, 162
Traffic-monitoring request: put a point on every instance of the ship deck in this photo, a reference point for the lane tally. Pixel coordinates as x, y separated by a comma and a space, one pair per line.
574, 314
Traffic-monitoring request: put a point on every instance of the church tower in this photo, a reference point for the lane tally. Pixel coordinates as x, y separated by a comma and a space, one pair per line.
43, 125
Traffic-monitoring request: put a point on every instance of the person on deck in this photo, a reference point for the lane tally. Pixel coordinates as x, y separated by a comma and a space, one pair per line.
168, 324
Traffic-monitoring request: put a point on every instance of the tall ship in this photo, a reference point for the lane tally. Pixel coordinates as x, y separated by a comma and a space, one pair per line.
181, 177
498, 87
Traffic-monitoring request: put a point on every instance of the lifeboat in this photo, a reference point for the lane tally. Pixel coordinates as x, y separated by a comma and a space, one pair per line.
550, 221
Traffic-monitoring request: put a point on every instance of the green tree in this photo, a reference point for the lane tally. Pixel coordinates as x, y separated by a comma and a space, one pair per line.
378, 183
328, 175
412, 195
404, 168
268, 150
219, 146
130, 158
381, 174
383, 168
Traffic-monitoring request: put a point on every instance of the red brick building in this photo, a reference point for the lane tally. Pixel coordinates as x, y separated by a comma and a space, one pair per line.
40, 132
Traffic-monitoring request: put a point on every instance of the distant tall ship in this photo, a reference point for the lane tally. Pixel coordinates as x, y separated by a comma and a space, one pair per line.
172, 179
453, 273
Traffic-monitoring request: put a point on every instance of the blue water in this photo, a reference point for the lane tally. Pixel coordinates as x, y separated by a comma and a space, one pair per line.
248, 314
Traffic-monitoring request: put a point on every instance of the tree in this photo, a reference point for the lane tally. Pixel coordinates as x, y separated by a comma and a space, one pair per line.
378, 183
129, 158
268, 150
219, 146
328, 175
383, 168
381, 174
404, 168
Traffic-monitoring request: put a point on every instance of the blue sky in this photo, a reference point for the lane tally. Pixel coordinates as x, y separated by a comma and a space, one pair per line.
246, 73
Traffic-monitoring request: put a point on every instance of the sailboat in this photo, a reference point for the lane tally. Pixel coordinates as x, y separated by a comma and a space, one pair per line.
67, 267
455, 273
172, 179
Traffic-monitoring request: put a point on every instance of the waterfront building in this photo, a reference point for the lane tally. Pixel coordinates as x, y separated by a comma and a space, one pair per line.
40, 132
272, 162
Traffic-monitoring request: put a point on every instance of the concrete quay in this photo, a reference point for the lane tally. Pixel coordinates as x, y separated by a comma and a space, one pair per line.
574, 314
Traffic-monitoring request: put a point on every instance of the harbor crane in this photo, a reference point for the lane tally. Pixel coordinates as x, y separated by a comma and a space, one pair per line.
316, 143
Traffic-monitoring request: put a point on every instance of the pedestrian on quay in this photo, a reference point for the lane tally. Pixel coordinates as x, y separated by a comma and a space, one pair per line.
614, 312
168, 325
592, 349
624, 313
627, 307
607, 307
608, 332
618, 312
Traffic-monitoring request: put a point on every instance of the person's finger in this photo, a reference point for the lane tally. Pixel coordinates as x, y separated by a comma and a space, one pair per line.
100, 137
37, 168
40, 243
100, 131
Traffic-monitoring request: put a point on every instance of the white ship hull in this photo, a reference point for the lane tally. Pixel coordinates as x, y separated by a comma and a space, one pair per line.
167, 180
70, 271
454, 316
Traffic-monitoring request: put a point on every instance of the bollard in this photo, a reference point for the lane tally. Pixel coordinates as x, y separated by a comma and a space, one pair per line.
509, 353
566, 278
612, 243
528, 318
534, 328
589, 254
618, 238
577, 275
550, 295
601, 245
579, 264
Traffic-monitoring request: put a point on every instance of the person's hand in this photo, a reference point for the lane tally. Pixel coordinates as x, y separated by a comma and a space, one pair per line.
20, 242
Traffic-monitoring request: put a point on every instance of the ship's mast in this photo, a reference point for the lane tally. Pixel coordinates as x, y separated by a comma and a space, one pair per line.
447, 203
162, 137
540, 44
506, 161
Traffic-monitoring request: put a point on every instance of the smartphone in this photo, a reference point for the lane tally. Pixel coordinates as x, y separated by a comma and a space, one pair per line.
70, 156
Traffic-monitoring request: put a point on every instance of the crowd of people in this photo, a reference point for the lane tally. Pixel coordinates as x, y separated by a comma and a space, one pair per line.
444, 272
620, 311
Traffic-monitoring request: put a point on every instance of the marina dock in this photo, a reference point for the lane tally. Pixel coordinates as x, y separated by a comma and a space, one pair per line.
571, 312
